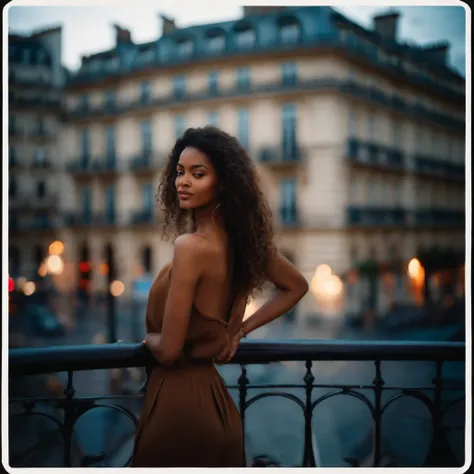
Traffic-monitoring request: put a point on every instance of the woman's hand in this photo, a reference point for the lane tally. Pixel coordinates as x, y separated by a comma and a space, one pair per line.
152, 342
229, 351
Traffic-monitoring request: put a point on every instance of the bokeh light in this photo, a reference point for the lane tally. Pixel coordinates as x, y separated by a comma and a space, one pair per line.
42, 270
103, 269
54, 264
117, 288
29, 288
56, 248
20, 283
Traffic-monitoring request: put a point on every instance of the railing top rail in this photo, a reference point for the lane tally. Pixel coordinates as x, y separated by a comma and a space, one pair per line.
31, 361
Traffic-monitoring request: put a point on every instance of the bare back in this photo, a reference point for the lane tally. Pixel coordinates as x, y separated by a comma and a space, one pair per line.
214, 293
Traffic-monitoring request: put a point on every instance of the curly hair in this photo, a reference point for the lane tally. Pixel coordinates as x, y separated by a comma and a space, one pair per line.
244, 208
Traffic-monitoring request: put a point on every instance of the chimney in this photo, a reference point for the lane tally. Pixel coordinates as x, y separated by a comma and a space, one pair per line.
386, 25
168, 24
438, 52
122, 35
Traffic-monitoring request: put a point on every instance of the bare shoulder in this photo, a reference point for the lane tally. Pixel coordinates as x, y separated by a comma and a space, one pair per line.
191, 248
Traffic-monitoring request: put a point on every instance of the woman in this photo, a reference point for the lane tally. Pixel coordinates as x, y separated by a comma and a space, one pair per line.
197, 303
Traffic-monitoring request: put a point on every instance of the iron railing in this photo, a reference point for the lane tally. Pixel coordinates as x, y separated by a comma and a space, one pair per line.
70, 359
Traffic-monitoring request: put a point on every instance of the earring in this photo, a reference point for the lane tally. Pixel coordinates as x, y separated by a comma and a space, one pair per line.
215, 211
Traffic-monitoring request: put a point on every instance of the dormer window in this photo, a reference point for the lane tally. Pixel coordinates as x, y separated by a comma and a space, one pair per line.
26, 56
289, 33
216, 43
246, 38
41, 56
185, 48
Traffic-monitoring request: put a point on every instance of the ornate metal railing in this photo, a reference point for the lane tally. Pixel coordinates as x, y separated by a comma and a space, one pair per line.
70, 359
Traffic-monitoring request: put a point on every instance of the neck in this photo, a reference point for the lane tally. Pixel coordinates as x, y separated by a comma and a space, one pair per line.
208, 218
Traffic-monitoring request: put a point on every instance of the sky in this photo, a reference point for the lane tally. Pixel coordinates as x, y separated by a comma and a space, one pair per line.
88, 29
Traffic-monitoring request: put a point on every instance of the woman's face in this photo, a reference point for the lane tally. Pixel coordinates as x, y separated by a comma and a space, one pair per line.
196, 179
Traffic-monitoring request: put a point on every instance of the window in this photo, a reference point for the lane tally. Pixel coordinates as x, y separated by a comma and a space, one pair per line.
179, 125
83, 102
288, 200
179, 86
185, 48
147, 191
145, 90
352, 124
42, 126
41, 56
213, 118
213, 81
110, 201
288, 73
245, 38
26, 56
216, 43
85, 144
243, 127
146, 136
288, 117
110, 98
41, 189
39, 157
86, 195
243, 78
289, 33
110, 143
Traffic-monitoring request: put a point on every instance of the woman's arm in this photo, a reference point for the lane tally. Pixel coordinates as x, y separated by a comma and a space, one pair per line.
291, 285
188, 264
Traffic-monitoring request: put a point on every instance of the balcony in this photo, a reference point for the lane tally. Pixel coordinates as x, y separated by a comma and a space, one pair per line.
372, 155
81, 167
106, 165
78, 219
281, 156
439, 218
19, 102
142, 217
43, 163
15, 80
105, 219
397, 104
442, 169
364, 216
373, 366
31, 201
147, 162
38, 223
274, 87
41, 134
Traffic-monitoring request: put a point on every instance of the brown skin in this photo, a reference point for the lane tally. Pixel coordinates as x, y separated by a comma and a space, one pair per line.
209, 287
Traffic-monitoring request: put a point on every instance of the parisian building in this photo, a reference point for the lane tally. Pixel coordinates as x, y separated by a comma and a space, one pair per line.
36, 80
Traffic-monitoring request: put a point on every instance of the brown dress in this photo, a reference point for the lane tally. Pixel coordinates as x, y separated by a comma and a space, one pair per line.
188, 417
